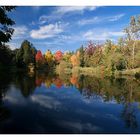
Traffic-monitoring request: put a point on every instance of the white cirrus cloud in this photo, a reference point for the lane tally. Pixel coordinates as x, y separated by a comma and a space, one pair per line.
59, 11
32, 23
67, 9
100, 19
14, 96
116, 33
43, 19
77, 126
101, 35
89, 21
116, 17
46, 101
48, 31
13, 45
64, 37
20, 31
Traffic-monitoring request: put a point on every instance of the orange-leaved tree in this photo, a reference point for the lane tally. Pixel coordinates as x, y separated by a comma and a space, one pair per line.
75, 59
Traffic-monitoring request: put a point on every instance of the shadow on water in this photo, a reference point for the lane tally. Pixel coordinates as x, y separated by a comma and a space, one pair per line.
25, 83
5, 81
124, 91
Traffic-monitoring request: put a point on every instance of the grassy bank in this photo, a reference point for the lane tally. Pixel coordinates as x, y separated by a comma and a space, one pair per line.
87, 71
131, 72
99, 72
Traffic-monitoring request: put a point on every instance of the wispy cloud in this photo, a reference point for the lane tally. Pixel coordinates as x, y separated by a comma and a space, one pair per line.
89, 21
74, 9
101, 35
100, 19
48, 31
60, 11
45, 101
77, 126
116, 17
13, 45
19, 32
43, 19
14, 97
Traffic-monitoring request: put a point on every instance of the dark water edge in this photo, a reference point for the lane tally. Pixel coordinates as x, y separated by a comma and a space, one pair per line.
47, 103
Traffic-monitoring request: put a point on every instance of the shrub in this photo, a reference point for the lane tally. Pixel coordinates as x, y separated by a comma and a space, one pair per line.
137, 75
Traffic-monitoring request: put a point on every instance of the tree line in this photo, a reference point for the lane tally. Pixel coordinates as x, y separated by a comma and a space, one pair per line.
108, 56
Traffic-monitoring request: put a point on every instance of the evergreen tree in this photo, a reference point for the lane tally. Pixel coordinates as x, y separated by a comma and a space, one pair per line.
81, 56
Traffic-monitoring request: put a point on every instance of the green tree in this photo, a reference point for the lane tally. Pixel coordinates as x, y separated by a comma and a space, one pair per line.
121, 42
81, 56
26, 54
67, 56
108, 45
132, 35
5, 35
5, 22
6, 55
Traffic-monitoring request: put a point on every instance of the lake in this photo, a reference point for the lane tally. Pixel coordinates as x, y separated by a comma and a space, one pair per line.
58, 104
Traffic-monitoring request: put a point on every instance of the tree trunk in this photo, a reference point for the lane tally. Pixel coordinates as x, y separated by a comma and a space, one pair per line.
133, 54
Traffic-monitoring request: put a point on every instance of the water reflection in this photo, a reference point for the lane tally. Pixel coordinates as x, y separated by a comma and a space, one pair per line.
25, 83
121, 91
128, 115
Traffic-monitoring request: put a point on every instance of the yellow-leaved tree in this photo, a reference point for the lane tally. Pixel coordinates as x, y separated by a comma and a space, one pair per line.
49, 58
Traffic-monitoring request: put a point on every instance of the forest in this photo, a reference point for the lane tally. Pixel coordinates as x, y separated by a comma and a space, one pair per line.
110, 58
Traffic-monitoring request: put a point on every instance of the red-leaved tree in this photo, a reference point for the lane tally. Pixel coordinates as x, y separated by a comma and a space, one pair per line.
58, 56
39, 57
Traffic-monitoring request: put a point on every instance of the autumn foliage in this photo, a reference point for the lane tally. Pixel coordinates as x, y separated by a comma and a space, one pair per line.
48, 55
58, 82
39, 56
75, 59
58, 56
38, 82
74, 80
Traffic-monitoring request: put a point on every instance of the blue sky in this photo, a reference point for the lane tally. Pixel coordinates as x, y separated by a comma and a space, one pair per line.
67, 28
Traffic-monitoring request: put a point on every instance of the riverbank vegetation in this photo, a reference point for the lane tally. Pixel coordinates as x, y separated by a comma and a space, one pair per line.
100, 59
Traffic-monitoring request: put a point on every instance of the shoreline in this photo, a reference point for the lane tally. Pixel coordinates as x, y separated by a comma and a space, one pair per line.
89, 71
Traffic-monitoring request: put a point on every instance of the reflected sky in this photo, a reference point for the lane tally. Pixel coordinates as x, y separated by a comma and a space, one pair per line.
69, 105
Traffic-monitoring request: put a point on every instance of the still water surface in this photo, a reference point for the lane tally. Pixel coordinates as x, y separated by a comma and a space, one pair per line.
42, 103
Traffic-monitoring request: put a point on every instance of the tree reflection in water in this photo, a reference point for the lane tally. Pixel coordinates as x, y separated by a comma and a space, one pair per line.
123, 91
128, 115
26, 83
5, 82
